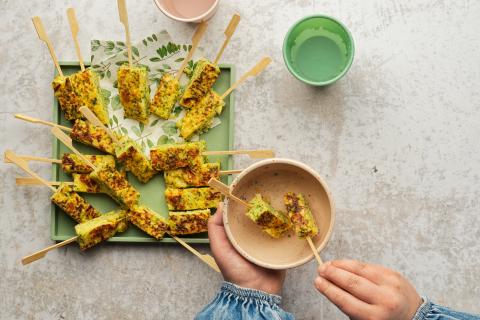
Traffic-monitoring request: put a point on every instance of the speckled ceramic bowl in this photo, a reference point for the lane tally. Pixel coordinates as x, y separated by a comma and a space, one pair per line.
273, 178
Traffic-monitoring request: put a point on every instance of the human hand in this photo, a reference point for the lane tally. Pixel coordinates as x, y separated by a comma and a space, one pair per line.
366, 291
234, 267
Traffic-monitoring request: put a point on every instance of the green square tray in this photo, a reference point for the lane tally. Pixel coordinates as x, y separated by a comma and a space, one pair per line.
151, 194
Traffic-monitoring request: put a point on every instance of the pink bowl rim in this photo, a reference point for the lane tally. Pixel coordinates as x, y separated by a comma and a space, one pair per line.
302, 166
194, 19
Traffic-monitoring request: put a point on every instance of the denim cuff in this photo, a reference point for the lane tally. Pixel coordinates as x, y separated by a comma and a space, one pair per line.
423, 310
271, 299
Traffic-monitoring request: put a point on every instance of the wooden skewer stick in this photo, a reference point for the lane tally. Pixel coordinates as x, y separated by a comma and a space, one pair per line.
47, 123
228, 34
72, 20
208, 259
28, 181
314, 250
225, 190
22, 164
68, 142
197, 36
37, 22
122, 12
90, 116
227, 172
40, 254
259, 67
255, 154
32, 158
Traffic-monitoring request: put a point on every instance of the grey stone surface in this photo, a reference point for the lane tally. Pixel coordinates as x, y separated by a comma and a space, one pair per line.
396, 140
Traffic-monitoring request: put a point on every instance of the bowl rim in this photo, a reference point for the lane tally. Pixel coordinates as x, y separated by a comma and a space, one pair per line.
194, 19
303, 79
302, 166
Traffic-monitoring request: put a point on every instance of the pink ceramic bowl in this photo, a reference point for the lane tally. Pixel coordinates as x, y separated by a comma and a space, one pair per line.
188, 10
273, 178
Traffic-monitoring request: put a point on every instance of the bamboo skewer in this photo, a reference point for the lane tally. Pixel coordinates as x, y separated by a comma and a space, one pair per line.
225, 190
47, 123
314, 250
33, 158
208, 259
37, 22
67, 141
90, 116
259, 67
29, 181
122, 12
197, 36
255, 154
40, 254
22, 164
228, 34
72, 20
227, 172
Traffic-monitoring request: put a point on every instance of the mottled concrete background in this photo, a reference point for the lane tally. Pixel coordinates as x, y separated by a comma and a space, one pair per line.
397, 140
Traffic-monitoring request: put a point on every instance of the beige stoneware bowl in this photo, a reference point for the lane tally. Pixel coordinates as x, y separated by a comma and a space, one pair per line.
273, 178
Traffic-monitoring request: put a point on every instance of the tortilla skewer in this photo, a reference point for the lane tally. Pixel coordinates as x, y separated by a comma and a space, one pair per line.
168, 88
126, 150
273, 222
200, 118
89, 233
63, 196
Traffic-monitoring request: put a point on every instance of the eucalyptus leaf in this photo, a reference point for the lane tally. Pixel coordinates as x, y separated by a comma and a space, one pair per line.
106, 93
150, 143
120, 43
136, 130
150, 39
116, 105
154, 36
145, 43
109, 73
142, 126
115, 119
154, 122
162, 140
115, 84
154, 59
179, 59
135, 51
170, 128
124, 130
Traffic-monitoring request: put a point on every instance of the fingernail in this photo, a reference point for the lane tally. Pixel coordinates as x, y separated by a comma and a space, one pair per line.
323, 267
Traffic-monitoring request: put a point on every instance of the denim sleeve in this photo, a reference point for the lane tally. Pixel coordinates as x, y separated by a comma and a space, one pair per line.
431, 311
234, 303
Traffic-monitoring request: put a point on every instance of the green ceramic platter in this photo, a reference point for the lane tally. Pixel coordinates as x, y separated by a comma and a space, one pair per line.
218, 138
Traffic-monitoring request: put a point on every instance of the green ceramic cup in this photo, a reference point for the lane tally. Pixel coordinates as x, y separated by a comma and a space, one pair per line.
318, 50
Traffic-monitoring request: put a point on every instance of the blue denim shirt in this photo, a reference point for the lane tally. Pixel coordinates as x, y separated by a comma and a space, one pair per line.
233, 303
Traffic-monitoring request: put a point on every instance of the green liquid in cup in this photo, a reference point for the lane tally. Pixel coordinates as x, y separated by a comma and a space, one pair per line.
319, 55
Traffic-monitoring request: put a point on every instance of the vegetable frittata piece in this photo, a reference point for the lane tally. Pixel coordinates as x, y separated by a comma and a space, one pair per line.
83, 183
192, 198
130, 153
86, 85
192, 177
273, 222
74, 205
116, 186
71, 163
178, 155
204, 76
165, 96
134, 92
300, 215
199, 119
189, 222
86, 133
101, 228
149, 221
67, 98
